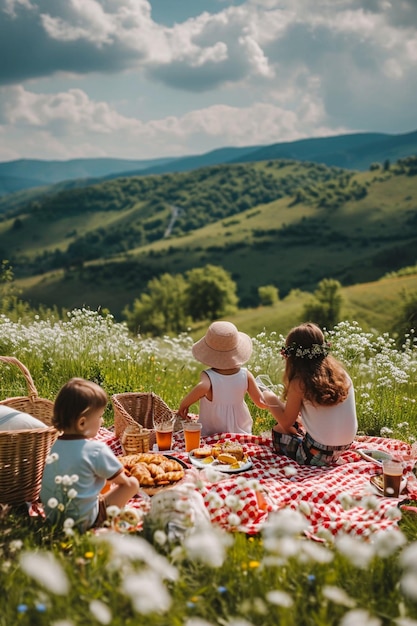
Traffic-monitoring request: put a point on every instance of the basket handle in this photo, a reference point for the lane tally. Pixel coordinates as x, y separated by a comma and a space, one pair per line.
29, 381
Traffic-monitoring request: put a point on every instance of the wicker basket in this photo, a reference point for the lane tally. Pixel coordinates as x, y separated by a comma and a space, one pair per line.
135, 439
23, 452
141, 408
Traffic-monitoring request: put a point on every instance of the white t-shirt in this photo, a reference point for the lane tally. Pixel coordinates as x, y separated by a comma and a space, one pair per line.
334, 425
11, 419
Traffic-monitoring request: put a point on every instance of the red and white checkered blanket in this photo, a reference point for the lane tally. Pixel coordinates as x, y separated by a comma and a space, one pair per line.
275, 482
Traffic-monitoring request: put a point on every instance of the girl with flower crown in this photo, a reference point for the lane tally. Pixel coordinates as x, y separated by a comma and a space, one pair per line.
316, 420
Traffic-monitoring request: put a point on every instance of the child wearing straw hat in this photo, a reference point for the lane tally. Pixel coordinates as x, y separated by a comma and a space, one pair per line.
222, 388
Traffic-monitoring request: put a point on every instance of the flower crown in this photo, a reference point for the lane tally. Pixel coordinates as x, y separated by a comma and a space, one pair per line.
313, 352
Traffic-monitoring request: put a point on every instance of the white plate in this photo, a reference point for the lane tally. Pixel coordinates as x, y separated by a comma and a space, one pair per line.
376, 456
245, 464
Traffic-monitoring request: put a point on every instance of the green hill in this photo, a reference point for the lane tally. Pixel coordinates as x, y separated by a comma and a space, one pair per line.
276, 222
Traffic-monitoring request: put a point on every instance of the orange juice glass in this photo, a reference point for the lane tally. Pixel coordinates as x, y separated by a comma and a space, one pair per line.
164, 436
192, 434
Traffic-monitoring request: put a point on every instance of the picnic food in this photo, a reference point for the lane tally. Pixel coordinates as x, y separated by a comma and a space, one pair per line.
152, 470
230, 448
201, 453
227, 459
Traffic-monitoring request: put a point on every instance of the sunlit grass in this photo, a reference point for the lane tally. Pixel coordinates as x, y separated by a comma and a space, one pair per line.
213, 577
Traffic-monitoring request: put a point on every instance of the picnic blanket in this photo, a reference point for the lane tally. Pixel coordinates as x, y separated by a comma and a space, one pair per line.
333, 499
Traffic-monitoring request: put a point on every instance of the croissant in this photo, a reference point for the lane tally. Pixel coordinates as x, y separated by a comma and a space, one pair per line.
142, 473
169, 465
156, 470
173, 477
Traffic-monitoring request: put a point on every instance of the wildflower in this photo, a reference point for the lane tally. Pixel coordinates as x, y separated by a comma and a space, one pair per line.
112, 511
290, 471
208, 545
409, 557
68, 523
72, 493
357, 551
52, 458
359, 617
346, 501
338, 596
22, 608
387, 542
89, 555
304, 508
100, 611
147, 592
254, 564
409, 585
15, 545
393, 513
160, 537
52, 503
279, 598
45, 569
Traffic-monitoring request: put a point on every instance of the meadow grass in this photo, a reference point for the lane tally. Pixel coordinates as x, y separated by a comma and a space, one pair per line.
62, 578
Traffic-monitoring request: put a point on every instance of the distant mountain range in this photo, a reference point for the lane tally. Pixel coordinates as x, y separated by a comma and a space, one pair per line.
356, 151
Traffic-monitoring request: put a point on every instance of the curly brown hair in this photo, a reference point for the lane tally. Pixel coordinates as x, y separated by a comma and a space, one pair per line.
323, 379
77, 397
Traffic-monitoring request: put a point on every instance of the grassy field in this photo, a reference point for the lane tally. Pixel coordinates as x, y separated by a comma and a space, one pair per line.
54, 578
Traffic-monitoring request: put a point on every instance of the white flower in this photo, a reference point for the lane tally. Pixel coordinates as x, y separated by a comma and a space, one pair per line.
409, 557
51, 458
66, 480
387, 542
52, 503
280, 598
58, 479
68, 523
160, 537
338, 596
359, 617
147, 592
356, 550
112, 511
72, 493
409, 585
100, 611
45, 569
346, 501
15, 545
74, 478
208, 545
233, 519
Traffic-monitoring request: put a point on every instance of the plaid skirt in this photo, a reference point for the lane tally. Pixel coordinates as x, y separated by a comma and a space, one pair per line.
304, 449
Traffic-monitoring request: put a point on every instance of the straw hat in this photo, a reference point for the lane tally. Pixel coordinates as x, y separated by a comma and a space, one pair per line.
223, 346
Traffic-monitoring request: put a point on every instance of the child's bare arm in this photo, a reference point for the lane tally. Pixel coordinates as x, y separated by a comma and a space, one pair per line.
126, 487
255, 393
197, 392
285, 413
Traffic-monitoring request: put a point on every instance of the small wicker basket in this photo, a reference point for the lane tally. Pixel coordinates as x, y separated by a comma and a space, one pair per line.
23, 452
135, 439
141, 408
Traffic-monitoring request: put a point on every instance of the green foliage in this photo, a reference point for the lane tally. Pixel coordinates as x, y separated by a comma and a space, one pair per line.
210, 293
405, 325
268, 295
162, 310
325, 308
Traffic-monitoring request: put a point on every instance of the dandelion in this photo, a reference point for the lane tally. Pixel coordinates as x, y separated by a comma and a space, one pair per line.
387, 542
45, 569
15, 545
52, 458
408, 585
89, 555
52, 503
72, 493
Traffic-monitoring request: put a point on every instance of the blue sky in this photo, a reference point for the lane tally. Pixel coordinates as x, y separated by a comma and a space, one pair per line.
145, 79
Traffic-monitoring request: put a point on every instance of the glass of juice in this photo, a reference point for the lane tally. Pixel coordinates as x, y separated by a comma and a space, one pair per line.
163, 431
192, 434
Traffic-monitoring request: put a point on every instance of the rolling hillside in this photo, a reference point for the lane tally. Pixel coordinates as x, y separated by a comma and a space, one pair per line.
354, 151
277, 222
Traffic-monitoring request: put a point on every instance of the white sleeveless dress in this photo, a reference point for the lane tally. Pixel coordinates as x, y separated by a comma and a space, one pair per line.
228, 411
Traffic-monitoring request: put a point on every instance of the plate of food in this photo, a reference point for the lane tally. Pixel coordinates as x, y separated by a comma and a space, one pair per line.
228, 457
376, 456
378, 482
154, 471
